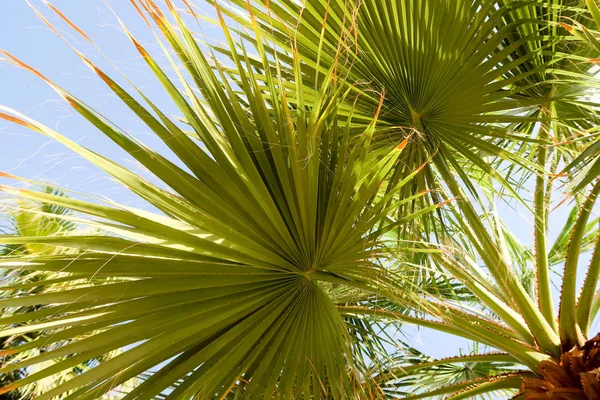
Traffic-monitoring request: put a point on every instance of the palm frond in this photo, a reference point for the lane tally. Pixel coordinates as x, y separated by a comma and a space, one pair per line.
225, 286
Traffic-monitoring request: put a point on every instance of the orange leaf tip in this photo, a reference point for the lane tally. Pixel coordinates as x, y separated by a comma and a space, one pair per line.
404, 143
566, 26
7, 389
16, 120
443, 203
68, 21
8, 352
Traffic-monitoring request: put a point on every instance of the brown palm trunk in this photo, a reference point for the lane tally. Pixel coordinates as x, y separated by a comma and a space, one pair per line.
576, 376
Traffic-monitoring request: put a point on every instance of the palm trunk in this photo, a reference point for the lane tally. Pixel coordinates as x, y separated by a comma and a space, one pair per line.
576, 376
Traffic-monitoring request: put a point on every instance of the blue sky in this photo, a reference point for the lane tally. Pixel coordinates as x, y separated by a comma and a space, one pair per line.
22, 34
33, 156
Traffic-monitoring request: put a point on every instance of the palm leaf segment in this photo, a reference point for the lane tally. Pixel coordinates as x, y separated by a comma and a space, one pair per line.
220, 287
585, 168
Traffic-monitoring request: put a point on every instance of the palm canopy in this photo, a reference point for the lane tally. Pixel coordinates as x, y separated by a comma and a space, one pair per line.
226, 286
274, 252
34, 219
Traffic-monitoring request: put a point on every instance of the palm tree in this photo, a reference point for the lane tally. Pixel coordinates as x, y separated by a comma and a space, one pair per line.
229, 285
472, 80
33, 219
469, 81
325, 191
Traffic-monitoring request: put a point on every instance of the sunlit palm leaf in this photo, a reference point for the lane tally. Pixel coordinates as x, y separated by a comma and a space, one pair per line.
222, 288
416, 372
33, 219
469, 80
447, 72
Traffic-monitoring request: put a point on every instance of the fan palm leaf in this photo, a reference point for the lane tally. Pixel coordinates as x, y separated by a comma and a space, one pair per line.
223, 285
451, 74
470, 80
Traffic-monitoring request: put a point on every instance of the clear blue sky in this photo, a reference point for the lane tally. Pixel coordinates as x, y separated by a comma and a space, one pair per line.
31, 155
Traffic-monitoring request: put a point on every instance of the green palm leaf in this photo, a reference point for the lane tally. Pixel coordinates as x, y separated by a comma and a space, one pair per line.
222, 287
468, 80
447, 72
34, 219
